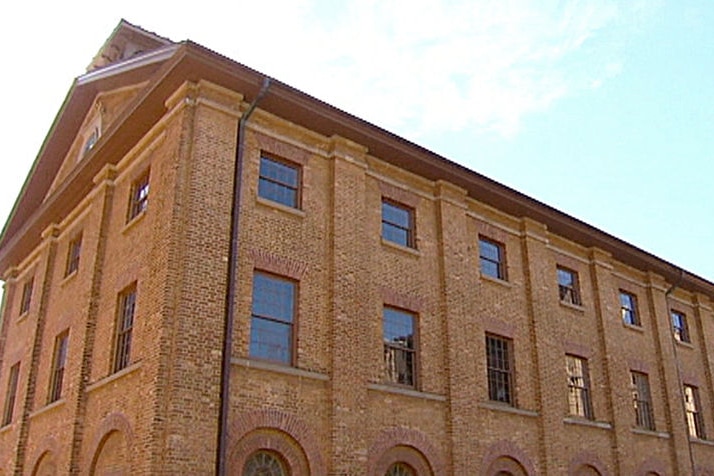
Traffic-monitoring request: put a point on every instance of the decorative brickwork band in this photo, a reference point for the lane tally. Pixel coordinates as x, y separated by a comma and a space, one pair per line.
282, 149
407, 446
505, 456
278, 265
404, 301
278, 432
587, 463
398, 194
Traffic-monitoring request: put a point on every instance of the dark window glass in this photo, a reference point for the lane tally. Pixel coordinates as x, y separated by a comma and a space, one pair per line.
680, 327
124, 327
398, 224
500, 369
73, 252
568, 286
642, 401
492, 260
26, 296
139, 198
91, 140
400, 469
271, 333
399, 346
628, 309
11, 394
578, 387
279, 182
264, 463
695, 421
59, 360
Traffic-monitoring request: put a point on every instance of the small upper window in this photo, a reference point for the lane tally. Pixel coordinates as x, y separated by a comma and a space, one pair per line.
91, 140
492, 258
26, 296
568, 286
73, 251
264, 463
628, 309
400, 469
398, 223
680, 327
139, 198
279, 181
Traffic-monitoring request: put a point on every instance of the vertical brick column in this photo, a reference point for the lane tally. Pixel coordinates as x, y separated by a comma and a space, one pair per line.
9, 288
104, 181
547, 377
456, 280
49, 245
618, 400
352, 309
704, 320
186, 292
669, 376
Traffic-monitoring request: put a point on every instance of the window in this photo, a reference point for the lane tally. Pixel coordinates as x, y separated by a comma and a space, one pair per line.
91, 140
26, 296
58, 362
492, 257
398, 224
578, 387
124, 327
279, 181
642, 401
264, 463
11, 394
400, 469
628, 309
568, 286
695, 422
273, 315
679, 325
139, 198
399, 346
500, 369
75, 247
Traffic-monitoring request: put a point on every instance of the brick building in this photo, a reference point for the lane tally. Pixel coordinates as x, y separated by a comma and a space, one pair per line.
210, 271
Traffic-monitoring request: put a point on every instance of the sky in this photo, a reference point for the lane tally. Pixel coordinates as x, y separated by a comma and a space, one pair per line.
601, 109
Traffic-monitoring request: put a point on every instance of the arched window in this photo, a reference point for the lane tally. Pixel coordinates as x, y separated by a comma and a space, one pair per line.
400, 469
264, 463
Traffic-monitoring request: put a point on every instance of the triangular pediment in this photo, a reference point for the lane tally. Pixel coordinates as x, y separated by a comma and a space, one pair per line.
127, 41
106, 108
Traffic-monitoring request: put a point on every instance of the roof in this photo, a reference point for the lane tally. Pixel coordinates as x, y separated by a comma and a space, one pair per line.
166, 65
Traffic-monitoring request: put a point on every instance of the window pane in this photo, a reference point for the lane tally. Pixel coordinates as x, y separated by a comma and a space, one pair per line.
278, 193
490, 250
279, 182
270, 340
396, 215
278, 172
490, 268
398, 327
273, 297
395, 234
565, 278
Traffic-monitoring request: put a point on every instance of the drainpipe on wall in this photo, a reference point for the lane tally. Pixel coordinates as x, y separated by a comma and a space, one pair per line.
231, 284
680, 382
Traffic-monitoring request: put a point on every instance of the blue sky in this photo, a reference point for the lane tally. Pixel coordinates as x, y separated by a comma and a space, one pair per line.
601, 109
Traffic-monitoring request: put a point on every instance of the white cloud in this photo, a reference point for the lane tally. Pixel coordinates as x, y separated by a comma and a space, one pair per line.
446, 65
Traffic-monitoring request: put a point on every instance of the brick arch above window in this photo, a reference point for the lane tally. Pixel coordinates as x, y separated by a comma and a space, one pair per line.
44, 456
114, 424
506, 456
404, 445
587, 463
651, 467
277, 431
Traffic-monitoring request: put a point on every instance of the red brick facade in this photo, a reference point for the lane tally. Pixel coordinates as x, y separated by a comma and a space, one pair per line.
331, 409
